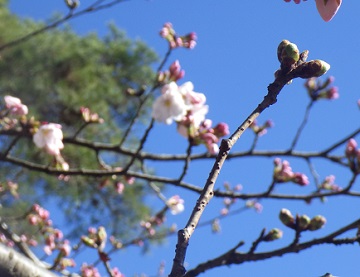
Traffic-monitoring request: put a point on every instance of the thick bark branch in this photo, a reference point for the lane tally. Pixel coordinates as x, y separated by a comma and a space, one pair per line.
14, 264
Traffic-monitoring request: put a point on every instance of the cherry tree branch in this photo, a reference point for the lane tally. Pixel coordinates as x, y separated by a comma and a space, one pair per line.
234, 257
283, 76
185, 234
302, 125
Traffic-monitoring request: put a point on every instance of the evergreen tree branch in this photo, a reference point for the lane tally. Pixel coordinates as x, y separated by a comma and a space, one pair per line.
96, 6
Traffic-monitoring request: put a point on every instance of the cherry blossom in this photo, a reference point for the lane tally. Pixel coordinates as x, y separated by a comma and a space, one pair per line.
49, 136
15, 106
176, 204
170, 105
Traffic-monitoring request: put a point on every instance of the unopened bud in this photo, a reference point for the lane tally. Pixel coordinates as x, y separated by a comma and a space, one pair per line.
317, 222
281, 48
273, 234
287, 218
72, 4
101, 234
303, 222
133, 92
314, 68
88, 241
290, 54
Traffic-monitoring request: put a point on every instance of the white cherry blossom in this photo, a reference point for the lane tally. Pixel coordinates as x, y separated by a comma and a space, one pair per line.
49, 137
169, 106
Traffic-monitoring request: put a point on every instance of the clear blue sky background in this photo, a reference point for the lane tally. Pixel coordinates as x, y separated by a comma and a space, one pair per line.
232, 64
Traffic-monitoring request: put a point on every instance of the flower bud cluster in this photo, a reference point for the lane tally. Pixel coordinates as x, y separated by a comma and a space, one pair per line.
13, 114
321, 90
186, 41
53, 237
301, 222
118, 182
174, 74
228, 202
328, 184
261, 130
288, 54
292, 60
90, 117
9, 187
283, 173
96, 238
153, 222
352, 153
29, 240
255, 205
175, 204
89, 271
206, 134
14, 106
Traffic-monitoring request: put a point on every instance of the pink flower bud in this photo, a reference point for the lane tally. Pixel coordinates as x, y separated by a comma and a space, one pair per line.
47, 250
58, 234
33, 219
300, 179
15, 106
119, 187
65, 248
224, 211
36, 207
351, 146
44, 214
221, 130
175, 67
213, 148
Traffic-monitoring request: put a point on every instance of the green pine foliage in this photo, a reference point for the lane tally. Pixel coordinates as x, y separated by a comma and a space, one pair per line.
56, 73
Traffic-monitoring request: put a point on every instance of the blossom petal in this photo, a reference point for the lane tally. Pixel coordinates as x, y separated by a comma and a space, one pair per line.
328, 8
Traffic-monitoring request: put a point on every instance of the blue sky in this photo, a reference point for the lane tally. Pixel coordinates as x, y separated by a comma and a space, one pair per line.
233, 63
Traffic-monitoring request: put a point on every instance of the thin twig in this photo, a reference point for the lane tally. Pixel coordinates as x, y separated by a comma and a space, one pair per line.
187, 162
302, 125
145, 99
